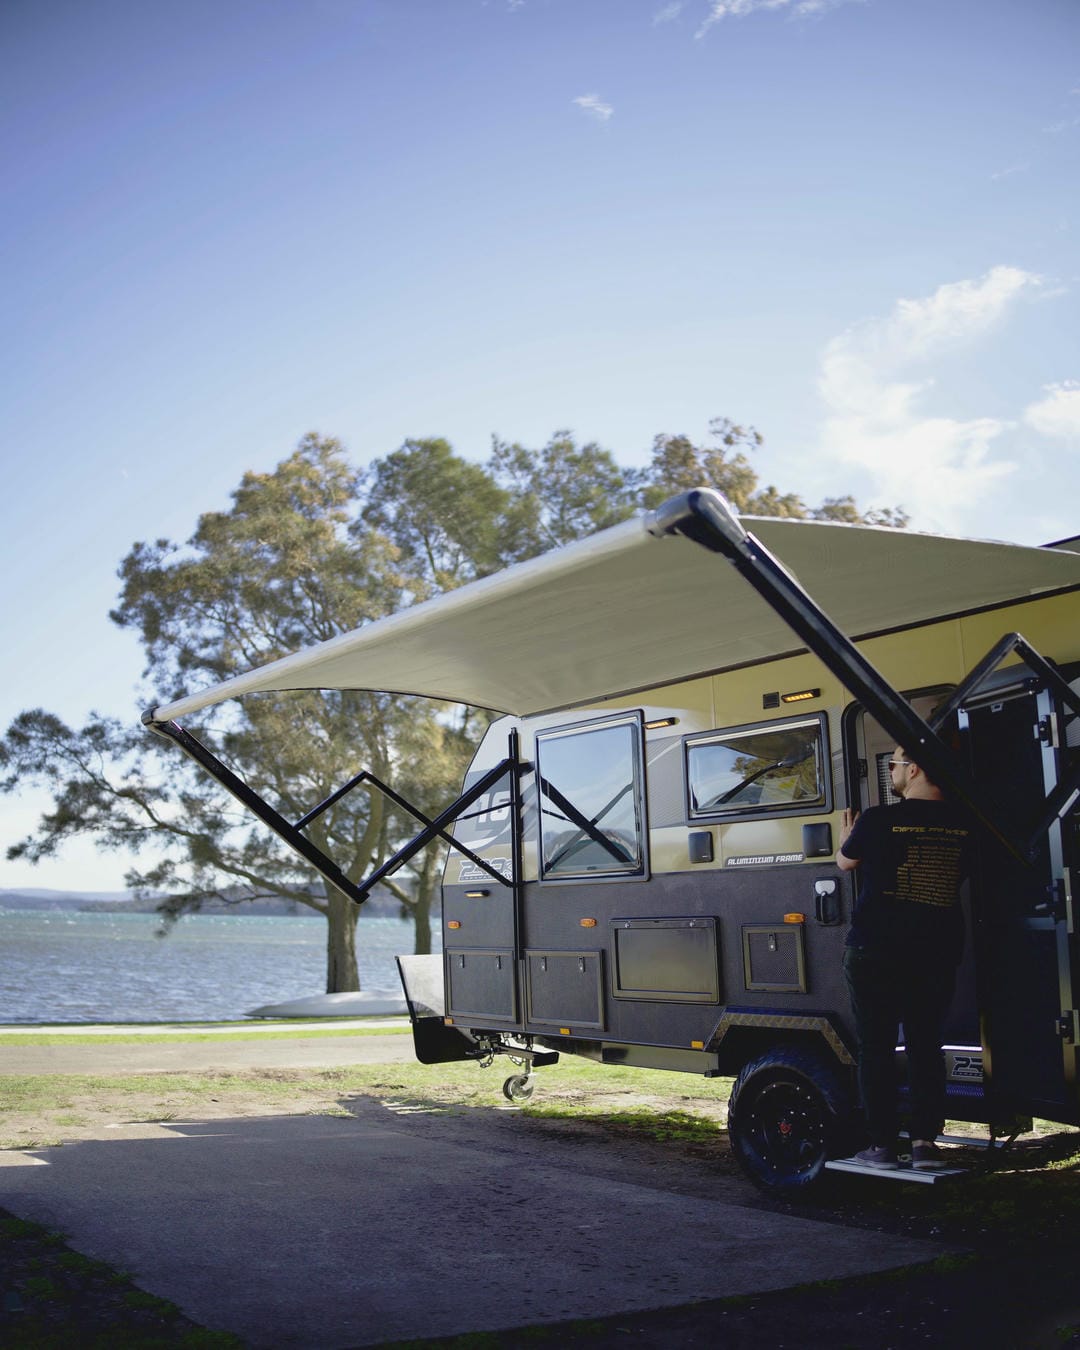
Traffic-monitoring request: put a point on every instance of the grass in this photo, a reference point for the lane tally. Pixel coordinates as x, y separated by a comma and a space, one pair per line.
38, 1111
57, 1299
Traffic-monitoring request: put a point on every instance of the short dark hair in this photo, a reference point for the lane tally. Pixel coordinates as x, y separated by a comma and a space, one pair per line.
922, 769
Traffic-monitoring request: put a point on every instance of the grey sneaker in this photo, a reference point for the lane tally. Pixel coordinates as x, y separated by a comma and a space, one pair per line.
927, 1158
878, 1155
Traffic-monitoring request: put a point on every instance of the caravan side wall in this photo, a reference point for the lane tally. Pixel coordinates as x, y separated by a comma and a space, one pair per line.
679, 903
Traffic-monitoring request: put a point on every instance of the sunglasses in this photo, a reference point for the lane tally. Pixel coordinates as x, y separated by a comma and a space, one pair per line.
894, 763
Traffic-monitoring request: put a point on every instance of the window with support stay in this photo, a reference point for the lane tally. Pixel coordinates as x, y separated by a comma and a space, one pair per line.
771, 767
592, 808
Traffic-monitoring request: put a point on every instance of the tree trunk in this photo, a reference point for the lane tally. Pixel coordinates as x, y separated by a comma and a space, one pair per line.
421, 917
342, 975
427, 888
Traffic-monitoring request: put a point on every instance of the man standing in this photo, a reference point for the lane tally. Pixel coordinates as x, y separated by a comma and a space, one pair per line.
906, 939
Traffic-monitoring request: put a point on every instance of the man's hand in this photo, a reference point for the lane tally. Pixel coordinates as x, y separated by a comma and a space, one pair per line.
848, 817
847, 824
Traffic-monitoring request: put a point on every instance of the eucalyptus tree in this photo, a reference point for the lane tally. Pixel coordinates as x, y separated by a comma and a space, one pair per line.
281, 569
307, 551
559, 493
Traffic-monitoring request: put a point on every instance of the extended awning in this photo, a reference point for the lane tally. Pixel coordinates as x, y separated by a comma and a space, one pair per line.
628, 609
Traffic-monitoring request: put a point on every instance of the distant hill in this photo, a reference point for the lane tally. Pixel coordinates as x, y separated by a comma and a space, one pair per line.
111, 902
37, 897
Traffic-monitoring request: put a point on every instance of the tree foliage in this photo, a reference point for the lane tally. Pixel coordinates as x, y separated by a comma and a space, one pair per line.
305, 552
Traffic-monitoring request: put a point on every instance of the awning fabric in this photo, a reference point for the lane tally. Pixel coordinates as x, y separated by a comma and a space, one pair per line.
626, 609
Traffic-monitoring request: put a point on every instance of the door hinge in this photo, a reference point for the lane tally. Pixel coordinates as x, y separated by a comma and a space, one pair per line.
1044, 730
1055, 900
1068, 1025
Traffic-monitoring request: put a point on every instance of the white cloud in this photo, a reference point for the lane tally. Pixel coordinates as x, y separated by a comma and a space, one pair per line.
668, 13
739, 9
956, 312
1058, 414
873, 378
595, 107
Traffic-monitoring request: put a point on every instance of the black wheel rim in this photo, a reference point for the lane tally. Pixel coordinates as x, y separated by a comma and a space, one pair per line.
786, 1128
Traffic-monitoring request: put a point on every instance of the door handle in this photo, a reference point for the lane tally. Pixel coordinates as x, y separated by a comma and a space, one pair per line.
827, 902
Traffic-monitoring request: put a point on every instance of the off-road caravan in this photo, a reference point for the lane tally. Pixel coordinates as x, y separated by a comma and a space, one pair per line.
642, 863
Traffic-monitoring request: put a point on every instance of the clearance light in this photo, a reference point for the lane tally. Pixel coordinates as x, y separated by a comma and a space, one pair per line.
564, 1031
661, 722
476, 895
794, 918
448, 1021
453, 923
587, 923
800, 695
697, 1045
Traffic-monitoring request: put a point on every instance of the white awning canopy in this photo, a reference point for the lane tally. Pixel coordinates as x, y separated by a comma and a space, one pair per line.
626, 610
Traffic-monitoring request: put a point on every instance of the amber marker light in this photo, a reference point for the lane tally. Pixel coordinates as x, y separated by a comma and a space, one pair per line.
794, 918
661, 722
564, 1031
476, 895
697, 1045
587, 923
453, 923
800, 695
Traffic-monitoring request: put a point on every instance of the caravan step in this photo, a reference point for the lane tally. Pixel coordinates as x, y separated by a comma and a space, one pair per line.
901, 1173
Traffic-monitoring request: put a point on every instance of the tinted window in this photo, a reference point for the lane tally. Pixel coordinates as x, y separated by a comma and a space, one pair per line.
590, 800
757, 768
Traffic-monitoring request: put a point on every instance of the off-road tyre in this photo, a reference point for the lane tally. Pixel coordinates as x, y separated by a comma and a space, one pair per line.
789, 1112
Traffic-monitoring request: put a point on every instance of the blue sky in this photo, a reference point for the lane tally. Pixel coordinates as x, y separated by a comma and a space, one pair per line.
851, 223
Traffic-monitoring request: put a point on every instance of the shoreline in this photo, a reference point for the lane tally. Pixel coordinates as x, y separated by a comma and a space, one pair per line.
216, 1028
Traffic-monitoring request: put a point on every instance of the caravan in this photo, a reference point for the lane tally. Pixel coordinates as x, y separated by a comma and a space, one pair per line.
642, 860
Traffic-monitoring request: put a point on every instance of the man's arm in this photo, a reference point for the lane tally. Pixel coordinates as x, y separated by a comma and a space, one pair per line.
847, 824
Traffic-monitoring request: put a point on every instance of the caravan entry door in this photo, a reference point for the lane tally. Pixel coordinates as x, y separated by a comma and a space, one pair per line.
1026, 955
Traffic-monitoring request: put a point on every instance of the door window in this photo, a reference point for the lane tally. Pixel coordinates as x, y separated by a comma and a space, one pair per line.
591, 800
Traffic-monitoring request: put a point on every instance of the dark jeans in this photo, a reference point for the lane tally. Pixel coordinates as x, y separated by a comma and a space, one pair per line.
890, 989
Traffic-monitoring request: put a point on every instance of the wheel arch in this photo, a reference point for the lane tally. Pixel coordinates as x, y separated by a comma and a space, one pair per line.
745, 1034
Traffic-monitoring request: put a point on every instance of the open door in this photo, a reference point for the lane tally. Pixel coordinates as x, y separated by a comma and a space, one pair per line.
1016, 734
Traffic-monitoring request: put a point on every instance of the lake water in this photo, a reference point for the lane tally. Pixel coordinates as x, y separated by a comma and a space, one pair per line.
70, 966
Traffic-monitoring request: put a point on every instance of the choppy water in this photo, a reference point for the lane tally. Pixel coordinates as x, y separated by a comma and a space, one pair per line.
68, 966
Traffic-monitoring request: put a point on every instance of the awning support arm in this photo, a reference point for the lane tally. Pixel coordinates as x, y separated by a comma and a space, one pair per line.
365, 777
438, 825
299, 843
705, 517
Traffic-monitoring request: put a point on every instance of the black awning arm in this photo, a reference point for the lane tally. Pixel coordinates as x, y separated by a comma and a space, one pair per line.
438, 825
365, 777
299, 842
705, 517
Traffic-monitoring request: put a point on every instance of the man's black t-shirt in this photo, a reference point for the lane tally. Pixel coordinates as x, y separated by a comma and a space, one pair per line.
912, 859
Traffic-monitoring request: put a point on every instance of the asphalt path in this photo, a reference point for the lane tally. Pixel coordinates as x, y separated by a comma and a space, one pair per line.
392, 1223
264, 1051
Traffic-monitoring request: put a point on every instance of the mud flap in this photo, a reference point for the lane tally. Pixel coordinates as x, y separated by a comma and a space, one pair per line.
433, 1041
